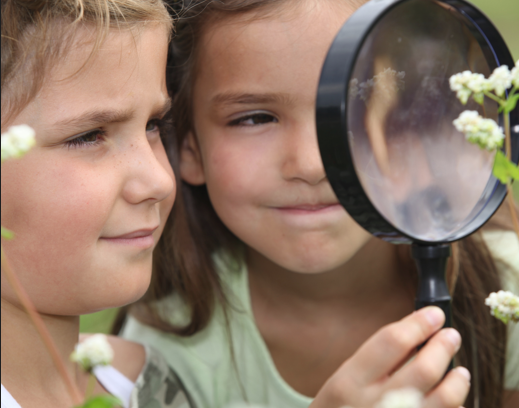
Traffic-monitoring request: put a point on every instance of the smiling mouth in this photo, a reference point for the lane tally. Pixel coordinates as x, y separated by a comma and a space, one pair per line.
309, 208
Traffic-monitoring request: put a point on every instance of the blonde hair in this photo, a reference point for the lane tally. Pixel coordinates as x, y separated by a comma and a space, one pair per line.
37, 33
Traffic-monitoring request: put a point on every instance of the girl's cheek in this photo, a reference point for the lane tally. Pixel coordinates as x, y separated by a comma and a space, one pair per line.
57, 212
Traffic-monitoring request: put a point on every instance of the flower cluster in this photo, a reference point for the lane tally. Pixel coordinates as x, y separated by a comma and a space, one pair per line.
92, 352
467, 83
402, 398
504, 306
17, 141
478, 130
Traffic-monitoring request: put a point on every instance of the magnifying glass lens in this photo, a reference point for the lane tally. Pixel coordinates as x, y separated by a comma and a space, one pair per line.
419, 172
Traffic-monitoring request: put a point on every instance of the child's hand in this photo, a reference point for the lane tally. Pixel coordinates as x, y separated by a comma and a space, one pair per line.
362, 380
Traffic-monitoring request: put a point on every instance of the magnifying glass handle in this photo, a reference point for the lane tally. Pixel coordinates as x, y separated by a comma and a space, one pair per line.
431, 261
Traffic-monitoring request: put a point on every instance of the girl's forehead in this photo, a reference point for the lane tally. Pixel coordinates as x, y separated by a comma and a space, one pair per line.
84, 51
272, 28
263, 50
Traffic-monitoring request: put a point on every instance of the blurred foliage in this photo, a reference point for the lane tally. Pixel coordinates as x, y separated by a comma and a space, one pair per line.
505, 16
100, 322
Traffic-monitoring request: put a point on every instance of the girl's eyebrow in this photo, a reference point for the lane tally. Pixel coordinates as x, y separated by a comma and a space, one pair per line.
99, 117
94, 118
232, 98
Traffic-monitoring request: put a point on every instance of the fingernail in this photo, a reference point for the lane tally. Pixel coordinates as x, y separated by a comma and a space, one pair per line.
434, 315
454, 337
464, 372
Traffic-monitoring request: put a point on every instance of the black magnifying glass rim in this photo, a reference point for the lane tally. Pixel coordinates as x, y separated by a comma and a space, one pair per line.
332, 116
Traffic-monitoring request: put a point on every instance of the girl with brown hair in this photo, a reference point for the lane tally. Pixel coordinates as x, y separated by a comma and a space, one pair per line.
265, 290
89, 201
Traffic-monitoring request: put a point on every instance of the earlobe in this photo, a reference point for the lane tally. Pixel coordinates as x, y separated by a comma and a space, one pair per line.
191, 167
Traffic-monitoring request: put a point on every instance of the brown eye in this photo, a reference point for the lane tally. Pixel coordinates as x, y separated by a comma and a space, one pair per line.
90, 138
260, 119
254, 119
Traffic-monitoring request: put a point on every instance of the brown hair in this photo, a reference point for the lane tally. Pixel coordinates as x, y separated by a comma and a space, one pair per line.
183, 262
37, 33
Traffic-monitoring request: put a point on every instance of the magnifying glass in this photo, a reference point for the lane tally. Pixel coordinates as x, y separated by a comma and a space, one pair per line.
384, 117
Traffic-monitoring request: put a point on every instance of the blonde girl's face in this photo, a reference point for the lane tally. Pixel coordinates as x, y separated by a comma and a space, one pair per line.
255, 143
89, 202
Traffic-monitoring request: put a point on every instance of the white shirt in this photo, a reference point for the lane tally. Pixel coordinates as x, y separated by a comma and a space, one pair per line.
111, 379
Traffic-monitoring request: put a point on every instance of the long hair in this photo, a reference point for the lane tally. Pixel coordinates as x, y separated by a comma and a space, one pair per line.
183, 259
37, 34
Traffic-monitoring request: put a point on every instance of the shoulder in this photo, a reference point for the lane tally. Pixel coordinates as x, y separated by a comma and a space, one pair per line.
129, 357
159, 386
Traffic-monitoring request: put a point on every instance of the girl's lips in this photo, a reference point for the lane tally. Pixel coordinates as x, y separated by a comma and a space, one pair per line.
309, 208
141, 238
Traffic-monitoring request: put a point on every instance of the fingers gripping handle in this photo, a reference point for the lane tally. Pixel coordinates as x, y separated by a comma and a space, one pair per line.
431, 261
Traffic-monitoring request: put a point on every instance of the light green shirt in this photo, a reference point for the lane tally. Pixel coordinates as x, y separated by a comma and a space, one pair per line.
209, 369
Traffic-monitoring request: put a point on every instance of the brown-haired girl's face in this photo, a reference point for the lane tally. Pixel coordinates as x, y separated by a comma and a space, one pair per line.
89, 202
256, 145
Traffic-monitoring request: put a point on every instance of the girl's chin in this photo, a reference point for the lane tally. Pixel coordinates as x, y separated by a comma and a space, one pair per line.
307, 264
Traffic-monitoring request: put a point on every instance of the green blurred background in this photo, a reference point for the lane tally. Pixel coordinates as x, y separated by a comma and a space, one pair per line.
504, 14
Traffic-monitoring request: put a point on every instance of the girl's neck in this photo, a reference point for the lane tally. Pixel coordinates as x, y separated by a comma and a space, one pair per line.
28, 371
312, 323
363, 279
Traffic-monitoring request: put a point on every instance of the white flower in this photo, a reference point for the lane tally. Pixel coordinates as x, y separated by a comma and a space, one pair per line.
17, 141
483, 132
504, 306
500, 80
94, 351
466, 83
402, 398
515, 75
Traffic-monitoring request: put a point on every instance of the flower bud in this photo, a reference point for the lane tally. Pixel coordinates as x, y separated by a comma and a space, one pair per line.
17, 141
402, 398
94, 351
504, 306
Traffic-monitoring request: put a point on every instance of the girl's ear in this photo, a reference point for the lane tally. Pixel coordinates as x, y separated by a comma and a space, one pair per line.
191, 167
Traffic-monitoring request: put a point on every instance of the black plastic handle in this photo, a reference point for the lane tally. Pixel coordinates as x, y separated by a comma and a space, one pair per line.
431, 261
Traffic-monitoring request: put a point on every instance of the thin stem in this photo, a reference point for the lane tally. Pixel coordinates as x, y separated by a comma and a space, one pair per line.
508, 136
90, 386
41, 329
495, 98
510, 198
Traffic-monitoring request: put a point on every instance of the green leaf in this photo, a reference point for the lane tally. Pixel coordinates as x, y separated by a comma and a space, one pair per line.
102, 401
504, 169
7, 234
511, 103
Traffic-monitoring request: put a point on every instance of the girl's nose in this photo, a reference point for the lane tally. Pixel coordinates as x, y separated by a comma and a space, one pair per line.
148, 179
302, 159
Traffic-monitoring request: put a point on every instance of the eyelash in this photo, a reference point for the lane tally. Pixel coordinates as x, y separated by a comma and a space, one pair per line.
81, 140
240, 121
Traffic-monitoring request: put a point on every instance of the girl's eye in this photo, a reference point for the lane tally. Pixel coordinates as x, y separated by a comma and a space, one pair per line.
88, 139
153, 126
159, 127
254, 120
